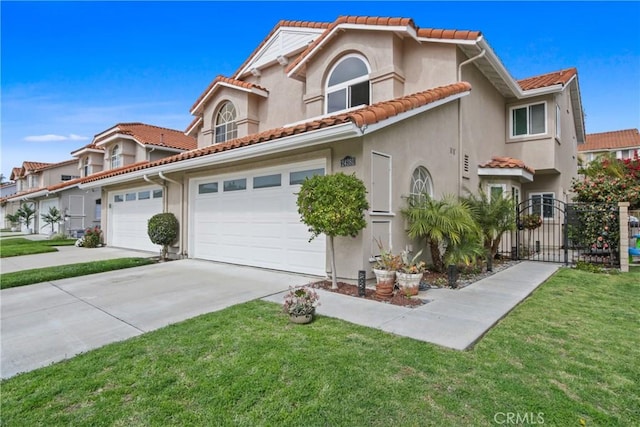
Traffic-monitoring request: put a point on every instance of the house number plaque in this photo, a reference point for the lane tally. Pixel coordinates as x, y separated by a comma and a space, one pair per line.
348, 161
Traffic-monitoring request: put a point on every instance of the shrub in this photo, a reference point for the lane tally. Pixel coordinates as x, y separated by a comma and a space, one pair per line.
92, 238
163, 230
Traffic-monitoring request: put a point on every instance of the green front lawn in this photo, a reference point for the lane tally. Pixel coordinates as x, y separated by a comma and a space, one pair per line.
46, 274
566, 354
21, 246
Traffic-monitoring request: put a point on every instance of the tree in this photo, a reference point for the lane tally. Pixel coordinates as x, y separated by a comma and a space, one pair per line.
53, 217
494, 215
163, 230
26, 213
333, 205
448, 223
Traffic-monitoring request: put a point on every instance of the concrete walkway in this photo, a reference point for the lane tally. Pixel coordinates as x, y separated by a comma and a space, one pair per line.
49, 322
453, 318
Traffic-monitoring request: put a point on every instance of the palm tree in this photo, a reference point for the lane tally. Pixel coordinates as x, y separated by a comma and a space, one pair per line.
53, 217
494, 215
444, 223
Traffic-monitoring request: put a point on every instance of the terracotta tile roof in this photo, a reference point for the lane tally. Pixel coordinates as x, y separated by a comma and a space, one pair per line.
364, 116
609, 140
434, 33
56, 165
16, 173
151, 135
561, 77
227, 80
506, 163
34, 166
91, 146
283, 23
383, 21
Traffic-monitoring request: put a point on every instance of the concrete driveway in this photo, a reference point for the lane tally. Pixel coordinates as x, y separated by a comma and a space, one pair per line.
49, 322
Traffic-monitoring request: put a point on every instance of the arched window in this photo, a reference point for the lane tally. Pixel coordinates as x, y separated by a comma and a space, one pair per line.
421, 182
116, 157
225, 125
348, 84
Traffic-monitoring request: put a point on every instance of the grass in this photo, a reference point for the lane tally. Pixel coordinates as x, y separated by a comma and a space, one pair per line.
568, 353
46, 274
21, 246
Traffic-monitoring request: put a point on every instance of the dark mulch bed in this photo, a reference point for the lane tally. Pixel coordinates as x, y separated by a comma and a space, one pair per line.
352, 290
430, 280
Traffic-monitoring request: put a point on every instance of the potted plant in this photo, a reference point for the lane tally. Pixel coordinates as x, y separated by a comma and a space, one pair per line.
26, 214
385, 269
53, 217
14, 220
410, 273
300, 304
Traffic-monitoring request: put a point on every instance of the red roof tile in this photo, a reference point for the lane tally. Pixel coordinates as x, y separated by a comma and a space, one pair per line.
364, 116
561, 77
151, 135
227, 80
499, 162
382, 21
608, 140
34, 166
56, 165
16, 173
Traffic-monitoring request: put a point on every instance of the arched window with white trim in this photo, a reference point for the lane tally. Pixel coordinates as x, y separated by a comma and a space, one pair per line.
421, 182
116, 157
226, 127
348, 84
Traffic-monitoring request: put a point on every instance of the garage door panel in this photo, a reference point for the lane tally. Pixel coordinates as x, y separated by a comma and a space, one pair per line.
259, 227
128, 220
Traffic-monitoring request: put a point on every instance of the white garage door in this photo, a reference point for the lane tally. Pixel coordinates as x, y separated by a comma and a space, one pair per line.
43, 209
252, 219
129, 211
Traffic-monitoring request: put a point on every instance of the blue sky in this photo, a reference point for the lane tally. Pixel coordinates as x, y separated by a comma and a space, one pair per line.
71, 70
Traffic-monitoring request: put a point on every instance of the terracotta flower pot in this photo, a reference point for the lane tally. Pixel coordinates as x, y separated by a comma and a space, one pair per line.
385, 282
409, 282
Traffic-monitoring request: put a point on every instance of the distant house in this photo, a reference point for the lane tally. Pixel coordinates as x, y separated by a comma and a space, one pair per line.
404, 108
46, 185
624, 144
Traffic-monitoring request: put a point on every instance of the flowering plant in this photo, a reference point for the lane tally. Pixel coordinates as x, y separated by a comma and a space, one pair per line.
92, 238
300, 301
412, 266
532, 221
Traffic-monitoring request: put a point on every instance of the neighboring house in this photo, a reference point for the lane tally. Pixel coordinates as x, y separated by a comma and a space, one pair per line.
625, 144
118, 147
406, 109
7, 189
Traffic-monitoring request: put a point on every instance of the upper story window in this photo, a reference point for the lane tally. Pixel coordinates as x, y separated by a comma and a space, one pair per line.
32, 181
348, 85
85, 166
116, 157
529, 120
542, 204
421, 182
225, 126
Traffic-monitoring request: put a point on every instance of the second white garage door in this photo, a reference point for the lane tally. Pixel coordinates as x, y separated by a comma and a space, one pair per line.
129, 212
251, 218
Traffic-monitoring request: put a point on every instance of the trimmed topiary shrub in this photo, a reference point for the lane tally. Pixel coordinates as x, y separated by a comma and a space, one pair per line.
163, 230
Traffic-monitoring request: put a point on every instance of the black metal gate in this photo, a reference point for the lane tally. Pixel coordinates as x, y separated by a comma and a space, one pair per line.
549, 230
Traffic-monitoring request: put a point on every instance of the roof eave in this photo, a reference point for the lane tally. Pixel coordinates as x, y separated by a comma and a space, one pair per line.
522, 174
306, 139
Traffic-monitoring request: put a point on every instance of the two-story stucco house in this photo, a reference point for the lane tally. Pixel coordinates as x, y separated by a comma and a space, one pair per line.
114, 149
406, 109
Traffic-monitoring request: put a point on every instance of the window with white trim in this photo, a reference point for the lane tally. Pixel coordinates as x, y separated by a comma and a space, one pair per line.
226, 127
348, 84
529, 120
85, 166
627, 154
116, 157
497, 191
542, 204
421, 182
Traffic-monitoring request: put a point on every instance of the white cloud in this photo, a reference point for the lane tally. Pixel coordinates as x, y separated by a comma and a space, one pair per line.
50, 137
